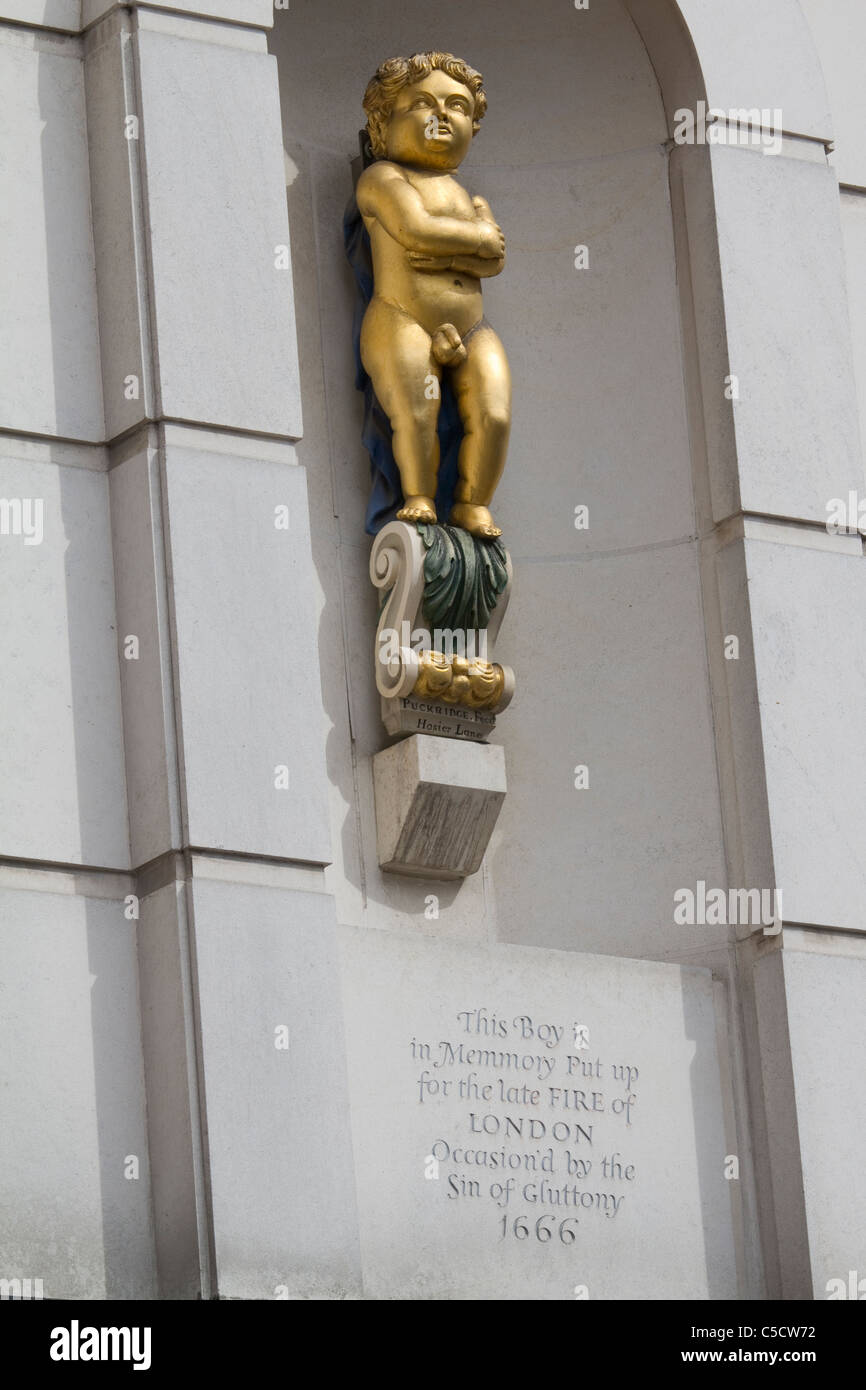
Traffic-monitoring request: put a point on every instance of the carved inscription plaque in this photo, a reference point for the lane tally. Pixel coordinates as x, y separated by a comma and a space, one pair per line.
534, 1124
544, 1125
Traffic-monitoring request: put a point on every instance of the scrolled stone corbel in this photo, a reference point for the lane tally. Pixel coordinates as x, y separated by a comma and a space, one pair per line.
397, 568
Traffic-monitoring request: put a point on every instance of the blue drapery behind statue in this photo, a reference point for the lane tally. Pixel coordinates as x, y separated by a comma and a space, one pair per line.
387, 496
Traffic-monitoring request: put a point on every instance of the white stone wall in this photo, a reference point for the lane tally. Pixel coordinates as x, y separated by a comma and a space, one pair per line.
166, 905
74, 1112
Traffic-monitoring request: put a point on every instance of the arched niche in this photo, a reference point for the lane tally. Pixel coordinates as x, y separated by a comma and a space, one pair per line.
606, 630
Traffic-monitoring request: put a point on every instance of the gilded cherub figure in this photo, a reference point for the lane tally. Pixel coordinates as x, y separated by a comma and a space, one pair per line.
432, 244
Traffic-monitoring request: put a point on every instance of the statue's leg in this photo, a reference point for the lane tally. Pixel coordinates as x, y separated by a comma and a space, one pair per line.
396, 352
483, 388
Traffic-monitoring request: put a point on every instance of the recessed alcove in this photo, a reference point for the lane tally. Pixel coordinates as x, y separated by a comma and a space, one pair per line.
606, 628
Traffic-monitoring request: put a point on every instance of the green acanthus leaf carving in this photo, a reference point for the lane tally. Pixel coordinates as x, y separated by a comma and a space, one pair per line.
463, 577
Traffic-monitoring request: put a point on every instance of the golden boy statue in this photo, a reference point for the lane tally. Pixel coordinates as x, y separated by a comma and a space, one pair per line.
432, 244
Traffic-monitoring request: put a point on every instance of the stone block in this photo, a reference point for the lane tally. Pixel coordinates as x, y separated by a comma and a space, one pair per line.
274, 1075
149, 737
173, 1101
118, 228
247, 12
50, 378
839, 35
221, 284
44, 14
825, 989
500, 1153
789, 343
436, 805
741, 754
808, 611
852, 207
63, 791
252, 728
75, 1212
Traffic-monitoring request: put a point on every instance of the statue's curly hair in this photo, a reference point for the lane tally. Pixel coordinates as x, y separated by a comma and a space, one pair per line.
396, 73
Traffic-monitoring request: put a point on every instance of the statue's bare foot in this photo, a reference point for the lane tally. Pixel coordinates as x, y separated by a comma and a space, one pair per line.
474, 519
417, 509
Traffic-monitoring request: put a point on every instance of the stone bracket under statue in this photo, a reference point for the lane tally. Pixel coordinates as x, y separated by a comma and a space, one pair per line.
445, 593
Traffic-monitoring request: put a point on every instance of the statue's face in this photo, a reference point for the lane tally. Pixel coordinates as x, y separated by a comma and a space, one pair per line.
431, 123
